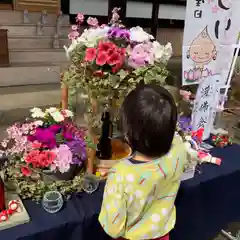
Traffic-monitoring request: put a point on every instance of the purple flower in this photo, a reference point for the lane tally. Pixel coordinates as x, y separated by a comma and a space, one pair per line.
68, 136
46, 136
121, 33
55, 128
185, 123
78, 149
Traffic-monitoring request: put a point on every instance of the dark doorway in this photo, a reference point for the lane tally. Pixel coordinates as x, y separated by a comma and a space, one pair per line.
65, 6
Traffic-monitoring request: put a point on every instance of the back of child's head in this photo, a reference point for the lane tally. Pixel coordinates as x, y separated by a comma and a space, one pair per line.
148, 119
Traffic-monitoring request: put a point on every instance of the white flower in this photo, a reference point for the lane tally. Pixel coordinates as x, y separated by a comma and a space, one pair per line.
38, 123
137, 34
37, 113
90, 36
57, 116
158, 50
168, 51
69, 49
51, 110
67, 113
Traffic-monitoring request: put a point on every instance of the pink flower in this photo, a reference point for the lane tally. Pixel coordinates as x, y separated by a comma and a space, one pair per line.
74, 27
63, 158
90, 54
26, 171
92, 22
80, 18
36, 145
73, 35
141, 55
101, 58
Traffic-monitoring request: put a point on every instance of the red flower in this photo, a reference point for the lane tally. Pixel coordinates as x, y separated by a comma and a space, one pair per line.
106, 46
122, 51
117, 67
98, 73
46, 158
114, 58
90, 54
101, 59
26, 171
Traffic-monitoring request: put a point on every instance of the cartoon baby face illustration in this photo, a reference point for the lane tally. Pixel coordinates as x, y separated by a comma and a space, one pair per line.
202, 50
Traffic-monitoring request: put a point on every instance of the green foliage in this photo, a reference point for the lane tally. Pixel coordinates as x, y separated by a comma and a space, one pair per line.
34, 188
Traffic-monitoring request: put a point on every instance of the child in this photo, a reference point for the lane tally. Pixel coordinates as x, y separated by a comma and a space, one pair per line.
140, 191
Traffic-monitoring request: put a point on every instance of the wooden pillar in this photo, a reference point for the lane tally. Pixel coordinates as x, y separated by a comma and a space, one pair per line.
117, 3
154, 20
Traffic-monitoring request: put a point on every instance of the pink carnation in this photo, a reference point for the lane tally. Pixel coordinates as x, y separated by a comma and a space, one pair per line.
80, 18
73, 35
74, 27
92, 22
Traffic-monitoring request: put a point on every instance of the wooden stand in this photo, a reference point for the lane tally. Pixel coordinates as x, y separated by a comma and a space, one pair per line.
4, 54
91, 153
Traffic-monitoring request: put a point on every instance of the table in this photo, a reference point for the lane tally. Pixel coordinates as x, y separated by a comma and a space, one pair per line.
205, 205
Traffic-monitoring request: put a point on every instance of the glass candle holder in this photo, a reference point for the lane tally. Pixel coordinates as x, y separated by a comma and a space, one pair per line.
90, 183
52, 201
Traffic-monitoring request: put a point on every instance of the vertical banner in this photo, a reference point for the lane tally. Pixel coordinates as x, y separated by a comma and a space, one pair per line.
205, 105
210, 36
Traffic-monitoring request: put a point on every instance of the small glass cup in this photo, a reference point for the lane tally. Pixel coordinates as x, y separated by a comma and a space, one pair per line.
52, 201
90, 183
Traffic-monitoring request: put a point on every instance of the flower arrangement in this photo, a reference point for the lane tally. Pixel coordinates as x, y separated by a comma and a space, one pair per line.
108, 61
48, 142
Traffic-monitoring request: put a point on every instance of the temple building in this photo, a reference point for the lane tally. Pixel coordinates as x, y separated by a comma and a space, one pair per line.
33, 33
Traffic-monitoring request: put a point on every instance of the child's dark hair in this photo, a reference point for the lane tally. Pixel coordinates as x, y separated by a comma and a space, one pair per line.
148, 120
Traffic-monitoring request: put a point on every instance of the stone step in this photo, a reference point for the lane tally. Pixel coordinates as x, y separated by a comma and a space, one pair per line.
16, 17
23, 97
31, 30
37, 55
33, 42
17, 75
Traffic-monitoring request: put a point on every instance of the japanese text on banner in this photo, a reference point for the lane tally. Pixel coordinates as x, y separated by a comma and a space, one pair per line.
210, 34
205, 105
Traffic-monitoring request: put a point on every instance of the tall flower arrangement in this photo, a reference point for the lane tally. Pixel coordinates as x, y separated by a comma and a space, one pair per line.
108, 61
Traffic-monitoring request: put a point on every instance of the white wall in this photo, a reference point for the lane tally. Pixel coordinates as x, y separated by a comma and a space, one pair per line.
134, 9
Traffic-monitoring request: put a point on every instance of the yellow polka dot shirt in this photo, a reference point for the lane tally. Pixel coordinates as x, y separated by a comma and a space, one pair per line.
138, 200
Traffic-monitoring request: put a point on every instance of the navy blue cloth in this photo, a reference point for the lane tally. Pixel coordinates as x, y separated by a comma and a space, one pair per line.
205, 205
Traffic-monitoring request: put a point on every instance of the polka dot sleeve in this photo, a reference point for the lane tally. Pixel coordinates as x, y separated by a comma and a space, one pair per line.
114, 207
